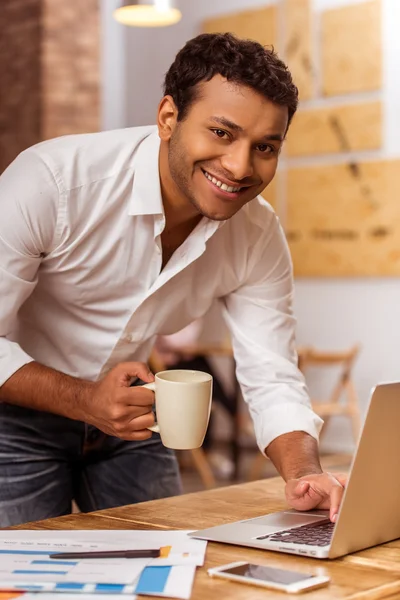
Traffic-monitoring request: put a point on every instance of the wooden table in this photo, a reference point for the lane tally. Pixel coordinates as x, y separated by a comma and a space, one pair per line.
367, 575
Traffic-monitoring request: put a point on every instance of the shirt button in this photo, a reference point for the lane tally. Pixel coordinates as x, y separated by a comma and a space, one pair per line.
133, 337
136, 337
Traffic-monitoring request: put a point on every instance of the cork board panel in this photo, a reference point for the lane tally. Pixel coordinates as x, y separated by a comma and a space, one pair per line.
257, 24
270, 194
344, 220
70, 67
352, 48
297, 47
336, 129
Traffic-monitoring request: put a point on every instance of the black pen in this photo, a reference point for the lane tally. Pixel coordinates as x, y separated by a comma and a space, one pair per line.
155, 553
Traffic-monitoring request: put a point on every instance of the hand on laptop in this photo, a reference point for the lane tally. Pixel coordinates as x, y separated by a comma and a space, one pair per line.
322, 490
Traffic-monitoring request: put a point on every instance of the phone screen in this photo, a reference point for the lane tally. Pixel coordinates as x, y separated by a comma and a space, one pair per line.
268, 574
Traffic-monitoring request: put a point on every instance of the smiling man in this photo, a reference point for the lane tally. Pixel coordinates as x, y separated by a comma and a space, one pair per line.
109, 239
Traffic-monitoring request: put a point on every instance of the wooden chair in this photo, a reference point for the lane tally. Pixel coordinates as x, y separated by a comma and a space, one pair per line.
343, 389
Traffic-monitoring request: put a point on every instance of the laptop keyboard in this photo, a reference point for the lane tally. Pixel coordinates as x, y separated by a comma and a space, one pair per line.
315, 534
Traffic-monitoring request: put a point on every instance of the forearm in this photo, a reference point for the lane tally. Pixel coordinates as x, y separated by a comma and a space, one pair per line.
294, 455
42, 388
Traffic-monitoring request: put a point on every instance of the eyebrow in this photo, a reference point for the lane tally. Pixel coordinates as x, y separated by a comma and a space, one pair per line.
274, 137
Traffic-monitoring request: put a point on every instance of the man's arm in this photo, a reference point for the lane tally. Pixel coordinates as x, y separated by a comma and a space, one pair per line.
260, 317
29, 200
294, 455
41, 388
110, 404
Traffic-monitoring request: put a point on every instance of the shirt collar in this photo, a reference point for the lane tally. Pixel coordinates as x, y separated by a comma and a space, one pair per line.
146, 190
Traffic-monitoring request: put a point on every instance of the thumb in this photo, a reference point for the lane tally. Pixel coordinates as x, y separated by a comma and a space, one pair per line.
297, 489
302, 488
134, 369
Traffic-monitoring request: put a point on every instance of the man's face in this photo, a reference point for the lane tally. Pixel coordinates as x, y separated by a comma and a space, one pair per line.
226, 150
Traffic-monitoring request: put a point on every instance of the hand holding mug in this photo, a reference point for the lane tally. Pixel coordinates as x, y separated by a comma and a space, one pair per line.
118, 409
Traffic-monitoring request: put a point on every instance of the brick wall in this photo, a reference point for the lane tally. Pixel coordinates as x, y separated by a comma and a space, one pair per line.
70, 67
49, 71
20, 111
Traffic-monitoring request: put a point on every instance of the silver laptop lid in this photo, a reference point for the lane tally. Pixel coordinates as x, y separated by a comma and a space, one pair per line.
369, 513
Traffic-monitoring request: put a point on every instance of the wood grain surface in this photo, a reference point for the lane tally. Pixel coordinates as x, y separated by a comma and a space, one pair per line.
368, 575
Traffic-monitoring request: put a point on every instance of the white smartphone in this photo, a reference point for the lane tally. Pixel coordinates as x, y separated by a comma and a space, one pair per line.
292, 582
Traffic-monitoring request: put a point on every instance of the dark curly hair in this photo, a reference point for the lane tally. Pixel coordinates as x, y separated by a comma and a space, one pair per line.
245, 62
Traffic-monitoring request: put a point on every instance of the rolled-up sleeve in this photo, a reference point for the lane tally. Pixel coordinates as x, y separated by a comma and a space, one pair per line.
259, 315
28, 215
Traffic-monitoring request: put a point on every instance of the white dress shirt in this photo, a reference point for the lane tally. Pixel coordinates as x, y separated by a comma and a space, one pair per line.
81, 285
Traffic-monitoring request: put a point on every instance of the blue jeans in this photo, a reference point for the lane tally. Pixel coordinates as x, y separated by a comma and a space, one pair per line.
46, 461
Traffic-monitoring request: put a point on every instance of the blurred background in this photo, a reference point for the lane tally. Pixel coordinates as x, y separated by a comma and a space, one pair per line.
70, 67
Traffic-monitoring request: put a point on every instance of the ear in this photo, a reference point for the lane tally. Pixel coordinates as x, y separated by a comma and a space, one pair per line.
167, 117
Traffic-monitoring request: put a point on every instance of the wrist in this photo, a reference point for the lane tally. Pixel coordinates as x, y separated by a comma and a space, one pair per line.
295, 455
83, 400
303, 472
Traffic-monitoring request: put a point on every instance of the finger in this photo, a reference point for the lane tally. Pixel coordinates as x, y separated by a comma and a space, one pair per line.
138, 396
341, 477
133, 411
134, 369
336, 498
301, 488
137, 436
305, 501
127, 434
296, 489
142, 422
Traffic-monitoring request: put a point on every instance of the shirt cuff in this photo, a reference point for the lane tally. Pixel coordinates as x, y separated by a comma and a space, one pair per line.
12, 358
277, 420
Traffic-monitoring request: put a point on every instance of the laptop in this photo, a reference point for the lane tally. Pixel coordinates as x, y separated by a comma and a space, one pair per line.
369, 514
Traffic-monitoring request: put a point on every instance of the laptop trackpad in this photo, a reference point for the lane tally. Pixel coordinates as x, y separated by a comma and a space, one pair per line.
286, 519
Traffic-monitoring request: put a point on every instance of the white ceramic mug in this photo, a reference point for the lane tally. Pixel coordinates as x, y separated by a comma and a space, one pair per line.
183, 405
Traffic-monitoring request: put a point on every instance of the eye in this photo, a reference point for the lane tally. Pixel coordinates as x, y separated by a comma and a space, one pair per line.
266, 148
220, 133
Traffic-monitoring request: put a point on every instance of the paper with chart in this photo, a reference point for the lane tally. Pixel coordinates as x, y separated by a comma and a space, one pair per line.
177, 548
68, 596
170, 582
25, 562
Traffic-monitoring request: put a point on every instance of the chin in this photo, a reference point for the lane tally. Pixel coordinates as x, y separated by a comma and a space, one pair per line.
215, 214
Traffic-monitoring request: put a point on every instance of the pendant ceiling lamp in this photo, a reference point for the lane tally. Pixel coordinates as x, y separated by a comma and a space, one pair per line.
148, 13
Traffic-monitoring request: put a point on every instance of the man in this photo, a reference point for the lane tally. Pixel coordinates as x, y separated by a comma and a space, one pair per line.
107, 240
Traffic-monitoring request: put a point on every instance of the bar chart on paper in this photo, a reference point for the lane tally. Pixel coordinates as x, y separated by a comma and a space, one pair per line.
25, 563
170, 582
28, 566
177, 548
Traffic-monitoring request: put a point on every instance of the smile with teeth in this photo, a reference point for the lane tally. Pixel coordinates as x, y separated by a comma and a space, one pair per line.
223, 186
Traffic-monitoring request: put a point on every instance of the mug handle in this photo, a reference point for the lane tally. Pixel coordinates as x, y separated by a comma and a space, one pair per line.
152, 387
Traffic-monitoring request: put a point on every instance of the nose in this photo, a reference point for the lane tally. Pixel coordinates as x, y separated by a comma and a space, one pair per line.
238, 162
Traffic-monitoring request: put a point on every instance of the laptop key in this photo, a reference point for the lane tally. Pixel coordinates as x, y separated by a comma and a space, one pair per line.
315, 534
